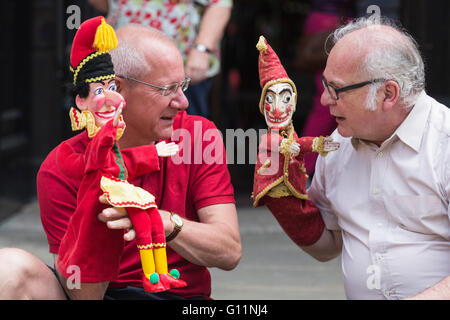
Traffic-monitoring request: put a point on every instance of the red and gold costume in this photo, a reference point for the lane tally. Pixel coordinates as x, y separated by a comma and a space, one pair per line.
280, 177
104, 170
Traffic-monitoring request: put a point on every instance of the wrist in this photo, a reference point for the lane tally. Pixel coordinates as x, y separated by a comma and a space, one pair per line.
202, 48
177, 225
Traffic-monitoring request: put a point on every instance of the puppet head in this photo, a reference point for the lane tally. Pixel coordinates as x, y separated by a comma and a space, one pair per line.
279, 94
93, 76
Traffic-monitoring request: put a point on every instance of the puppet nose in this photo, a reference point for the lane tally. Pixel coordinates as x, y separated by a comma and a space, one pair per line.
113, 98
277, 113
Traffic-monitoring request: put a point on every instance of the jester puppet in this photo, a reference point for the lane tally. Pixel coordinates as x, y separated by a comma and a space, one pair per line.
280, 174
104, 170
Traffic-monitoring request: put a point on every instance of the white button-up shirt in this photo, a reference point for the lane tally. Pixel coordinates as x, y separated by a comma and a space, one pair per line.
391, 204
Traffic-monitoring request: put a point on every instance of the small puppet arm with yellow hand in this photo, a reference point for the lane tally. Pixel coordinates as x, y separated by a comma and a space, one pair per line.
280, 174
104, 170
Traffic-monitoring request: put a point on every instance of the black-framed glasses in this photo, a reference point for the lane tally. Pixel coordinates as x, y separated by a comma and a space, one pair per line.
166, 90
334, 92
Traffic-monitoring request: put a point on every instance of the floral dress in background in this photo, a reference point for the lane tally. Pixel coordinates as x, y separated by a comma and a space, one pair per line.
178, 19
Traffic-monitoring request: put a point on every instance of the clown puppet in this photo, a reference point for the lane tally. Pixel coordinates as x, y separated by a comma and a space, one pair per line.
103, 170
280, 175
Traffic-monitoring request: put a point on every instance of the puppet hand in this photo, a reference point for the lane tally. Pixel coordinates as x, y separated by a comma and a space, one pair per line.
294, 149
117, 116
116, 219
166, 149
329, 145
289, 147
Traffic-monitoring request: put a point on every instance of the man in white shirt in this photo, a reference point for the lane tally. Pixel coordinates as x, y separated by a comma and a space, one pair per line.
384, 195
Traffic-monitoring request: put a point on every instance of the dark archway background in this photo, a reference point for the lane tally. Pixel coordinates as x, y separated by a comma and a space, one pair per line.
34, 64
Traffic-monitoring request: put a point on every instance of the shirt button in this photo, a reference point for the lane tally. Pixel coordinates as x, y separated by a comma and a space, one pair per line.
378, 256
380, 154
387, 293
379, 225
376, 191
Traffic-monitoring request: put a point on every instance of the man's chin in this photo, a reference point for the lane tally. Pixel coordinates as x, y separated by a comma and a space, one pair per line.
344, 133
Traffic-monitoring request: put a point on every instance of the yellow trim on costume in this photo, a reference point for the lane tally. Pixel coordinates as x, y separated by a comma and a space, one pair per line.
121, 193
80, 120
266, 189
318, 146
279, 191
265, 165
286, 174
85, 119
100, 78
145, 247
159, 245
82, 63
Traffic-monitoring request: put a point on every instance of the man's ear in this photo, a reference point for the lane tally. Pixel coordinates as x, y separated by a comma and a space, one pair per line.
119, 84
391, 95
80, 102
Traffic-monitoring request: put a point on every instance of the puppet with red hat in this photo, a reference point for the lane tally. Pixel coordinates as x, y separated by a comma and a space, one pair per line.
102, 169
280, 176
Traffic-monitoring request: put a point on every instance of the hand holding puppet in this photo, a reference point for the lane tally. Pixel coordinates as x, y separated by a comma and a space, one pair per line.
280, 175
102, 169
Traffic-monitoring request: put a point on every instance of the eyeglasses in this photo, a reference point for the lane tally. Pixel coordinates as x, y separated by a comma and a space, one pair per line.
334, 92
166, 90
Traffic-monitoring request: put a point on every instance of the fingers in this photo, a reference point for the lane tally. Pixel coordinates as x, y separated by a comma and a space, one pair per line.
130, 235
117, 219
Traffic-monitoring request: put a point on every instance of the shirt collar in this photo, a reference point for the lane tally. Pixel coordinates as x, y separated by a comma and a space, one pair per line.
411, 130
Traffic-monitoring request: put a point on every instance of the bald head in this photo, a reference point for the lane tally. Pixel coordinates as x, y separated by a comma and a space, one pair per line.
378, 49
140, 49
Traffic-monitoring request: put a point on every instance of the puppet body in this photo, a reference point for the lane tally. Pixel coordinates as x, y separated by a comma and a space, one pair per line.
103, 169
280, 176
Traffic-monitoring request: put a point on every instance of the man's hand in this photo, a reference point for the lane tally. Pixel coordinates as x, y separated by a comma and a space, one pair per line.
117, 218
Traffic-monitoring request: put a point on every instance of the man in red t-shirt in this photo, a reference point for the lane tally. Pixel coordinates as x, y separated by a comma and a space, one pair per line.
193, 189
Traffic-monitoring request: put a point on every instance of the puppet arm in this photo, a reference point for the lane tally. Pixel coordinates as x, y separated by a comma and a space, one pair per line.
70, 162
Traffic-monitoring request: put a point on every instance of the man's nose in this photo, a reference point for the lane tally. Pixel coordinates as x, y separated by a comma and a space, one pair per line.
179, 102
325, 99
113, 98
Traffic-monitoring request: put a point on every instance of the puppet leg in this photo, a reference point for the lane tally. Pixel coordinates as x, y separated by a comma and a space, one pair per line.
169, 279
300, 219
143, 226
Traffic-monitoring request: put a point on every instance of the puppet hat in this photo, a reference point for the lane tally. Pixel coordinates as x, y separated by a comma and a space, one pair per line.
90, 59
271, 70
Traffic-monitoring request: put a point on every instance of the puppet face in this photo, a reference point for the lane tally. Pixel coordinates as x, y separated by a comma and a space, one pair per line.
279, 105
102, 101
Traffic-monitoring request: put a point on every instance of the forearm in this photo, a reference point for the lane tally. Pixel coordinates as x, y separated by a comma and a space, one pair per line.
440, 291
83, 291
212, 26
328, 247
213, 242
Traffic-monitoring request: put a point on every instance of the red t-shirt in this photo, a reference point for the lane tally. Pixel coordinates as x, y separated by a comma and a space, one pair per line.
196, 178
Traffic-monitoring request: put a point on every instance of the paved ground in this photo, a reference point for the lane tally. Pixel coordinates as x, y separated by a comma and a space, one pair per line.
272, 267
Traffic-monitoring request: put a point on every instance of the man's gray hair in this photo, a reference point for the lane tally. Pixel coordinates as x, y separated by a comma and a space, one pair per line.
128, 60
390, 58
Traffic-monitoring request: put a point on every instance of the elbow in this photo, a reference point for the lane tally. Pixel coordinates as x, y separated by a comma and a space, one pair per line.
233, 258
